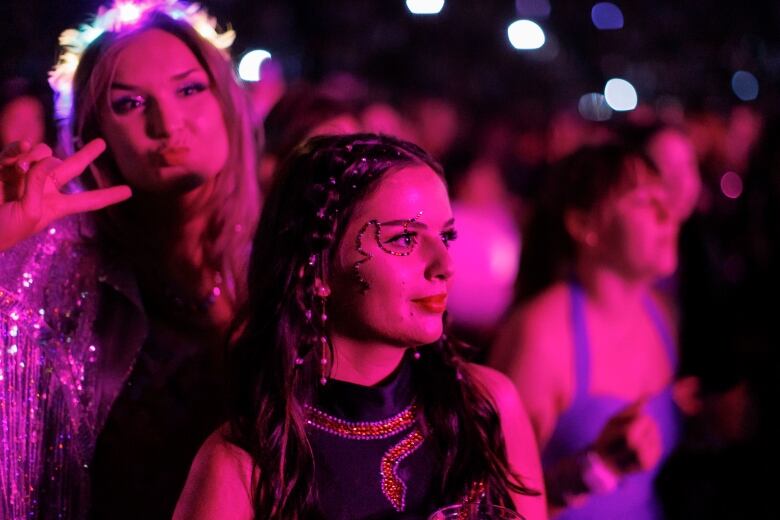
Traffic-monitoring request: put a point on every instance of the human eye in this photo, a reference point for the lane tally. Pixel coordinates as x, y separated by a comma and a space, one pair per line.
448, 236
190, 89
126, 104
404, 239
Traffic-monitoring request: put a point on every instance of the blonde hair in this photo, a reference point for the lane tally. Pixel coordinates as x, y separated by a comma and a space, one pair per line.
234, 206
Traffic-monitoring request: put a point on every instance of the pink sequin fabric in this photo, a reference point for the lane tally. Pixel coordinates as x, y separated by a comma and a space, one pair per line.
48, 409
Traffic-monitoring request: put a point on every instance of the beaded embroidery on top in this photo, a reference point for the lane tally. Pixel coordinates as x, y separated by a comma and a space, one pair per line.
393, 487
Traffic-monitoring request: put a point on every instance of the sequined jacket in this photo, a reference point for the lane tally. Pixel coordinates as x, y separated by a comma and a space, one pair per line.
59, 372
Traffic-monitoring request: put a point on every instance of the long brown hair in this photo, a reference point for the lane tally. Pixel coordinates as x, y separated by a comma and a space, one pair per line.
274, 365
234, 205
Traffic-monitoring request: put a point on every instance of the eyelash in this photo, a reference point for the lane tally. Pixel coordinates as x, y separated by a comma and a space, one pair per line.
446, 237
412, 237
449, 236
126, 104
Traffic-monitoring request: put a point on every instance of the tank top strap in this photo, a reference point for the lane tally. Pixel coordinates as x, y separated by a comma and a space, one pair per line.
581, 344
663, 329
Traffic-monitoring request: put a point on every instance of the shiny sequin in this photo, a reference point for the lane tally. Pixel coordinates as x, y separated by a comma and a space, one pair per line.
393, 487
364, 285
47, 411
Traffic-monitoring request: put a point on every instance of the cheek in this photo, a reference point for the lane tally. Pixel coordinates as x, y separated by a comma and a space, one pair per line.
214, 142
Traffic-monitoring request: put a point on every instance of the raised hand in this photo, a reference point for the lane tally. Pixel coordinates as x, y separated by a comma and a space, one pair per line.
630, 441
30, 183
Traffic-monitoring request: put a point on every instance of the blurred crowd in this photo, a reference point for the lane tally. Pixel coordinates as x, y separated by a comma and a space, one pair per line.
682, 203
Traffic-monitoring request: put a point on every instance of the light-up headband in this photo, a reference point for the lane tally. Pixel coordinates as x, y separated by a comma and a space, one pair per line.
122, 15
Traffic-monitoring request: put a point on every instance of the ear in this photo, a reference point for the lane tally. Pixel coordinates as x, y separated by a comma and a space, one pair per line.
581, 227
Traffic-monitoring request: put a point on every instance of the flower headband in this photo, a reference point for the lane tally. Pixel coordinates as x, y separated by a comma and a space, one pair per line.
122, 15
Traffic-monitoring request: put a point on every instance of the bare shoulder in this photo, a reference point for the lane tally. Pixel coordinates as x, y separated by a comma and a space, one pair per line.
499, 388
219, 482
219, 453
536, 337
522, 450
503, 392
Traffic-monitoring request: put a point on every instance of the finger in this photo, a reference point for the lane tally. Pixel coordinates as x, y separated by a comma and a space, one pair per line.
25, 160
633, 408
93, 200
77, 163
34, 184
11, 151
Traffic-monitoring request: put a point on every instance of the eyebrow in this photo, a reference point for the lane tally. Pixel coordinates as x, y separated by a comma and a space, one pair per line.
414, 223
176, 77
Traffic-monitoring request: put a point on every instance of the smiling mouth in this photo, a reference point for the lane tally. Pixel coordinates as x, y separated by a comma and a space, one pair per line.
173, 155
436, 304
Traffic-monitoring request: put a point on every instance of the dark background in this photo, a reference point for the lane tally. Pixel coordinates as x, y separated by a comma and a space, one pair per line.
673, 51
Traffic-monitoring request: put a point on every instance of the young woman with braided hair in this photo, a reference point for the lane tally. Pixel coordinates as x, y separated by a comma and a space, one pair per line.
349, 399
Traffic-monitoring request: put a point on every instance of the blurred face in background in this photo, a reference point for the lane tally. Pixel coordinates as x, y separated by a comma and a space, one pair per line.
633, 231
22, 119
676, 160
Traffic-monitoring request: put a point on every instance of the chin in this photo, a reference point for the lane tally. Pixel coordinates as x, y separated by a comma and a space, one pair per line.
181, 182
428, 335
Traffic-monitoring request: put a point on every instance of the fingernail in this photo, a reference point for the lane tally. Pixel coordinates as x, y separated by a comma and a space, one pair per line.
23, 166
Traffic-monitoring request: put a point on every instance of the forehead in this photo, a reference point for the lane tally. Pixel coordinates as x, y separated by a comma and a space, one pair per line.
153, 53
403, 193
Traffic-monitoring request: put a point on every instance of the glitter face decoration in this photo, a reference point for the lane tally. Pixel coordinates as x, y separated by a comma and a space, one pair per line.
398, 245
410, 268
124, 15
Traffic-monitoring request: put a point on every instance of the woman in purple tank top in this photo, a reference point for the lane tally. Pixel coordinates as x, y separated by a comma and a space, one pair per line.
590, 346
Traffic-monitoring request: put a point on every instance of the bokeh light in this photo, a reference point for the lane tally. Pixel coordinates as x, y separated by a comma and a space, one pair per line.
745, 85
129, 13
620, 95
594, 107
525, 35
606, 16
731, 185
249, 66
425, 6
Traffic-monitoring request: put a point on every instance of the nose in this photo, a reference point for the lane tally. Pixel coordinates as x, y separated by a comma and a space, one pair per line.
163, 118
439, 262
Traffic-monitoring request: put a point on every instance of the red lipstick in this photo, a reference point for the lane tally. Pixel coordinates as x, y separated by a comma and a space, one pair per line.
435, 304
173, 155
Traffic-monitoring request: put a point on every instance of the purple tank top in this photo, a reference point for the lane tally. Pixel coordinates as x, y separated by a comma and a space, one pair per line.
578, 426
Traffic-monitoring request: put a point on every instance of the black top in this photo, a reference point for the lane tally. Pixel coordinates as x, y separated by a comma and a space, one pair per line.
371, 459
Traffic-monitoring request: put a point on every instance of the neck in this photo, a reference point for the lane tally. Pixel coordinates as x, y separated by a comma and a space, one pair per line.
363, 363
174, 224
609, 291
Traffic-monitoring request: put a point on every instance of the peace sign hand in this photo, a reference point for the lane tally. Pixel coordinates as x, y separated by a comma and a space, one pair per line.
30, 182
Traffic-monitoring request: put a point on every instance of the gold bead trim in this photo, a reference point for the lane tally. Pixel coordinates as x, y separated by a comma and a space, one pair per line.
363, 429
392, 486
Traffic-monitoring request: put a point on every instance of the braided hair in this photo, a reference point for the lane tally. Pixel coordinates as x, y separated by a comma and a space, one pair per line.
277, 362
